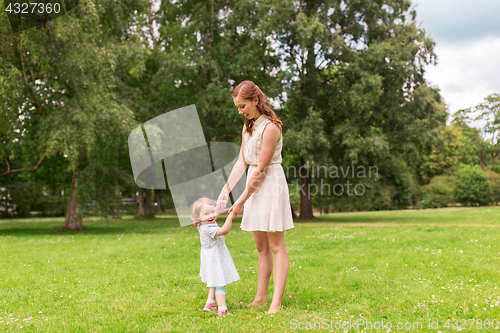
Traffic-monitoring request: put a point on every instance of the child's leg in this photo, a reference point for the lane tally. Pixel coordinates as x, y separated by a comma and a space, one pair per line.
220, 295
210, 305
211, 294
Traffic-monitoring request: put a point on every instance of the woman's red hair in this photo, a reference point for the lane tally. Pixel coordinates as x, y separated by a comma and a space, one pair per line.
249, 90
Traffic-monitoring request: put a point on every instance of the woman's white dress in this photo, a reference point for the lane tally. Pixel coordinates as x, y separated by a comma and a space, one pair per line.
216, 265
268, 208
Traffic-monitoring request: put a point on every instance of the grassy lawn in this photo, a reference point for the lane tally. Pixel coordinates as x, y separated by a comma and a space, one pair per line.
134, 275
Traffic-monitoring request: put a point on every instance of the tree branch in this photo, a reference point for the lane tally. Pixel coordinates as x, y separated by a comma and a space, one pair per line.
38, 164
21, 51
394, 145
394, 131
397, 144
29, 85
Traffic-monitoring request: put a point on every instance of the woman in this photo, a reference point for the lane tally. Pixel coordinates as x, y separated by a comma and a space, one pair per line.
265, 199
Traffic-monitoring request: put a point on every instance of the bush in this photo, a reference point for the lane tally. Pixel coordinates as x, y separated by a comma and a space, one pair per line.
495, 187
377, 196
53, 205
472, 186
439, 192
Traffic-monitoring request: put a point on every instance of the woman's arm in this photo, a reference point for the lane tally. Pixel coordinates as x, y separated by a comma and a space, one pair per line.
238, 170
270, 139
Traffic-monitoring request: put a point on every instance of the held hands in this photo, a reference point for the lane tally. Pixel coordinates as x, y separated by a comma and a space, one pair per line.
230, 217
227, 225
235, 209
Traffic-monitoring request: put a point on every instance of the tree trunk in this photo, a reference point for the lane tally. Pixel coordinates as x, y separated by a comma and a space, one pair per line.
141, 200
481, 159
116, 214
161, 207
494, 159
144, 202
73, 221
305, 194
308, 92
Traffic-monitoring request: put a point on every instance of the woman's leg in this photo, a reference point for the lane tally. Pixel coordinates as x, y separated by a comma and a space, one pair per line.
281, 267
264, 267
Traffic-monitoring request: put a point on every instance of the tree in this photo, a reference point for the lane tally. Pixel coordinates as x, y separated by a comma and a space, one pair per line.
201, 52
360, 65
206, 49
472, 186
67, 100
445, 155
487, 137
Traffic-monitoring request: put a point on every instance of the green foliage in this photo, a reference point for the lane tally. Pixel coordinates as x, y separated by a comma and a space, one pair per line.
53, 205
439, 192
57, 88
15, 198
494, 178
353, 91
445, 155
404, 182
207, 48
471, 141
472, 186
377, 196
357, 73
486, 138
309, 140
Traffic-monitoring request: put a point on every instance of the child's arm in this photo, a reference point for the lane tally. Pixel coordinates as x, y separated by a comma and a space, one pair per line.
227, 225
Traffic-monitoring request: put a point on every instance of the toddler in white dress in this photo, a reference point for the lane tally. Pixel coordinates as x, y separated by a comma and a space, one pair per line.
216, 265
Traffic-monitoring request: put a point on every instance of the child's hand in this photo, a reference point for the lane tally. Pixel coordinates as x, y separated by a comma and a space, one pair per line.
227, 225
230, 216
236, 208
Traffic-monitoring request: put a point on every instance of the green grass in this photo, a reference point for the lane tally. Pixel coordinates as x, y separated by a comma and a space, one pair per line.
136, 275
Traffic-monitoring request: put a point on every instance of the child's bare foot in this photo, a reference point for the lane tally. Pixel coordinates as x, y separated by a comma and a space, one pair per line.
274, 309
257, 303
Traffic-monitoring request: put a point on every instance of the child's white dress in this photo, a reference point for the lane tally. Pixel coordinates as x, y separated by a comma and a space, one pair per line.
268, 208
216, 265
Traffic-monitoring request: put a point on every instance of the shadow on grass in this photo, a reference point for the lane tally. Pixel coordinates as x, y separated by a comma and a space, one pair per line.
350, 218
443, 215
136, 225
170, 223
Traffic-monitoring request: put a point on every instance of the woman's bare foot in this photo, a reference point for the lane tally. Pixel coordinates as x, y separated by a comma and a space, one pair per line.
274, 309
257, 303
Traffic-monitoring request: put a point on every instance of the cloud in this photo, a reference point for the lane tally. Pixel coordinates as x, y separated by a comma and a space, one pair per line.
451, 21
466, 72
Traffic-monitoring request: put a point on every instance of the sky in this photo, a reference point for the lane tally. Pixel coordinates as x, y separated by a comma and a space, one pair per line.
467, 36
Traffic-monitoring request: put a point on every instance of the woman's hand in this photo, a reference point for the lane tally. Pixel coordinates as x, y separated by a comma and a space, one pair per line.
236, 209
222, 200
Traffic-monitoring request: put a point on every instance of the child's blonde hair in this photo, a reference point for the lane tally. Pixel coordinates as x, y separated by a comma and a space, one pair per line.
196, 208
